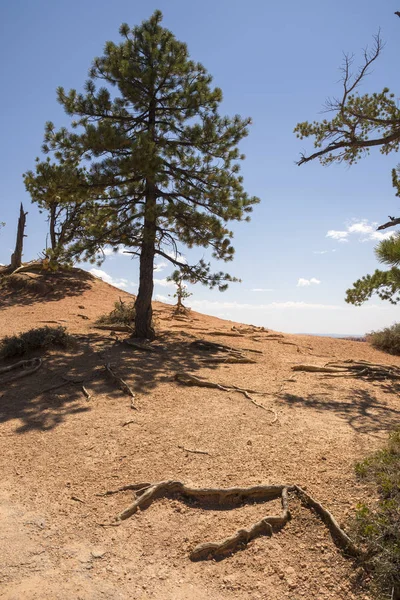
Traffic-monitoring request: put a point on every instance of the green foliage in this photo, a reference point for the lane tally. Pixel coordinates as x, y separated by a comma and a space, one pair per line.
177, 277
360, 122
377, 528
161, 166
386, 284
34, 339
60, 189
387, 339
123, 314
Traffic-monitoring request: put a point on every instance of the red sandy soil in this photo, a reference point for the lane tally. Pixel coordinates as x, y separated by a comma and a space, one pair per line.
59, 451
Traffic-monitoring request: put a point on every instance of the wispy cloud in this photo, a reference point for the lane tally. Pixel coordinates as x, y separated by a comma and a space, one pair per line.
323, 251
160, 267
164, 282
363, 231
119, 283
340, 236
306, 282
261, 290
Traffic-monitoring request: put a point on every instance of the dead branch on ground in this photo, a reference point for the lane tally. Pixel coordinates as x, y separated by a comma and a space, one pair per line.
85, 393
120, 383
26, 367
193, 451
146, 493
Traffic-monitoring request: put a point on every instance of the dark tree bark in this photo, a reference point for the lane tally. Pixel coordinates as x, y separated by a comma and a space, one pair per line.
52, 226
16, 257
143, 308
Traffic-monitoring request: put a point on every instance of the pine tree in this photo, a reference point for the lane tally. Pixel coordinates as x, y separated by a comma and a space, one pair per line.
386, 284
162, 163
178, 278
361, 122
60, 189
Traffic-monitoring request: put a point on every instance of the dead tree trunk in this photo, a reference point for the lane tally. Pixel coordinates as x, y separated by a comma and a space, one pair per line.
16, 257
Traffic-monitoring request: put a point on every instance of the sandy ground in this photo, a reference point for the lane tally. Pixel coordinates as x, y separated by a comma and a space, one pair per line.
59, 451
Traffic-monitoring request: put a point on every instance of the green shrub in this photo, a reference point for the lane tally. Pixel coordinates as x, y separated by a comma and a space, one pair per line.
123, 314
387, 339
34, 339
377, 528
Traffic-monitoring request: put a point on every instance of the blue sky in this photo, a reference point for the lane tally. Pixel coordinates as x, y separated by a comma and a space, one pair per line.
275, 62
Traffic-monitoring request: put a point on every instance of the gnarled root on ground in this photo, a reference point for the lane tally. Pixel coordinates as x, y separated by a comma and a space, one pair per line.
353, 368
120, 383
25, 367
146, 493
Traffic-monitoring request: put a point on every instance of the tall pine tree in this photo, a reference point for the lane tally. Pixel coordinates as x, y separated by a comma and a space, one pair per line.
162, 163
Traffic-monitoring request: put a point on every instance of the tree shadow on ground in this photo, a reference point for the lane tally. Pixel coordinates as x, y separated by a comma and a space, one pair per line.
28, 288
360, 408
45, 399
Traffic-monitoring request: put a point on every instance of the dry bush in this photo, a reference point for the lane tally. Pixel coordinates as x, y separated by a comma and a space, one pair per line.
387, 339
29, 283
123, 314
34, 339
377, 528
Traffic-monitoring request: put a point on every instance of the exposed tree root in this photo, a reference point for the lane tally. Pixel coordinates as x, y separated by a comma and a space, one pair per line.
249, 329
214, 347
225, 333
190, 380
352, 368
26, 367
121, 328
314, 369
230, 359
121, 383
187, 379
146, 493
140, 346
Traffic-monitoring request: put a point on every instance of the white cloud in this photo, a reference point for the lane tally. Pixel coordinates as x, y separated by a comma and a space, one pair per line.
261, 290
164, 282
160, 267
324, 251
337, 235
364, 230
306, 282
119, 283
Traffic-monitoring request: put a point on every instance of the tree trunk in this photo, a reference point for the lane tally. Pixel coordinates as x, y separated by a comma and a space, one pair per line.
52, 226
16, 257
143, 308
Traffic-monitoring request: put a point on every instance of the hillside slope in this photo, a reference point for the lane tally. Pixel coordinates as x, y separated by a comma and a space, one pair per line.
59, 451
